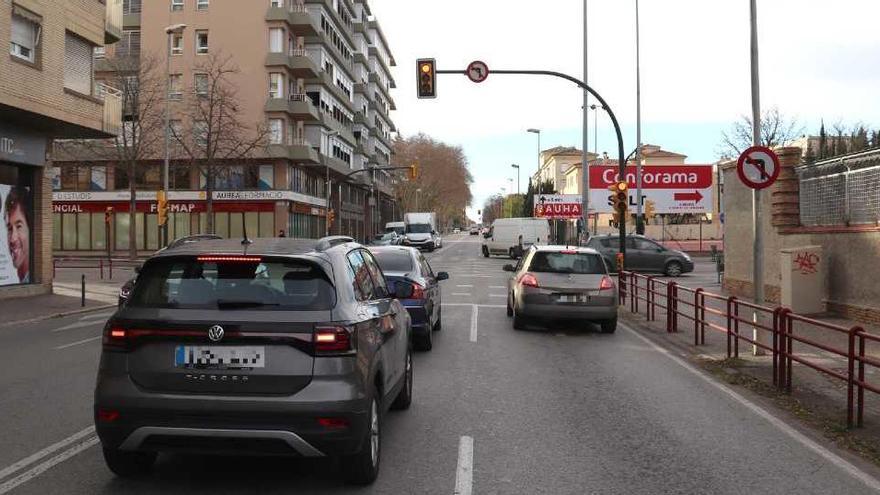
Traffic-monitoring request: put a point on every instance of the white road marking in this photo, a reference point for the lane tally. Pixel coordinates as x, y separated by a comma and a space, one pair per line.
79, 324
48, 450
480, 305
84, 341
497, 287
464, 285
497, 295
799, 437
464, 474
474, 314
461, 293
47, 464
97, 316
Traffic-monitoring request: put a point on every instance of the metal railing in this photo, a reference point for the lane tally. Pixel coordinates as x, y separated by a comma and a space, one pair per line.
841, 191
298, 97
113, 17
112, 108
727, 315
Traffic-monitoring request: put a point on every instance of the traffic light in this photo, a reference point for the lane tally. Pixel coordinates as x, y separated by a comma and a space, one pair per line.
620, 197
331, 215
162, 207
108, 215
650, 209
414, 171
426, 78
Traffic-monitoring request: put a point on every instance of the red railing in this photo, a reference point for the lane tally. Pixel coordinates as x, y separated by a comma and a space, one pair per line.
726, 314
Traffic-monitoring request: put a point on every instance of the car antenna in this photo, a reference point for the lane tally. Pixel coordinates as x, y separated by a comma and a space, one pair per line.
245, 241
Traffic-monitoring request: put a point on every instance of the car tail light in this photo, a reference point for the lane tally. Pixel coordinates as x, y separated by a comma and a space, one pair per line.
115, 338
333, 340
418, 292
107, 415
529, 280
334, 423
229, 259
606, 283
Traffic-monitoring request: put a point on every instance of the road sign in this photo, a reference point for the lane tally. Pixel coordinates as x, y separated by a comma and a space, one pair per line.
558, 206
477, 71
671, 188
758, 167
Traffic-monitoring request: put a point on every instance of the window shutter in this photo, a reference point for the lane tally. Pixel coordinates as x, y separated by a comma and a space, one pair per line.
77, 64
23, 32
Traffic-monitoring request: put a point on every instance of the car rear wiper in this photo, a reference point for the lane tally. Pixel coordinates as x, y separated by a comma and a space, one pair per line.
234, 304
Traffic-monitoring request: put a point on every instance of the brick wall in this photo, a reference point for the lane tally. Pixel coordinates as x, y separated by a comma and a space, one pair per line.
744, 289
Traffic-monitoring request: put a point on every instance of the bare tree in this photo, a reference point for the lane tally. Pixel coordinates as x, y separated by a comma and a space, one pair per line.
140, 87
217, 135
776, 130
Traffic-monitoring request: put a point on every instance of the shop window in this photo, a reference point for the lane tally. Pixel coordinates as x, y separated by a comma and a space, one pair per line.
221, 224
99, 232
68, 234
236, 226
267, 224
152, 225
56, 232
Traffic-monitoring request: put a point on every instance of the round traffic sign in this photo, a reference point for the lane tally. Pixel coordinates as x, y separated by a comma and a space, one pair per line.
477, 71
758, 167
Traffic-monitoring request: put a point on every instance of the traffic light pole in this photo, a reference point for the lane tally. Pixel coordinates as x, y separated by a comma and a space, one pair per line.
585, 87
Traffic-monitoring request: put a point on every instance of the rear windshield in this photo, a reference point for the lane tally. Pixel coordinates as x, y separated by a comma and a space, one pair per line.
259, 284
418, 228
558, 262
394, 261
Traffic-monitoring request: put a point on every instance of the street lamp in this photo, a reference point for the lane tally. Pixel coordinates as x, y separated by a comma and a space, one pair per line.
517, 176
595, 107
327, 185
170, 31
538, 132
418, 195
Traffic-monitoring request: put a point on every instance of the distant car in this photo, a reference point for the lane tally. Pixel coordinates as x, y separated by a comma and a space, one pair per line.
407, 265
561, 282
474, 231
642, 255
456, 230
438, 241
279, 347
386, 239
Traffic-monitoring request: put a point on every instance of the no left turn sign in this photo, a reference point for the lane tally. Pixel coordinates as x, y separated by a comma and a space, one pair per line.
758, 167
477, 71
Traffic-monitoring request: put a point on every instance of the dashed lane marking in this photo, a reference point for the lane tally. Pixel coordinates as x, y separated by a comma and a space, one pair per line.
474, 314
79, 324
464, 474
464, 285
461, 294
78, 342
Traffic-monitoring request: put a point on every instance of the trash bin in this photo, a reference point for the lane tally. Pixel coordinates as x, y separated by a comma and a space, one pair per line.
803, 279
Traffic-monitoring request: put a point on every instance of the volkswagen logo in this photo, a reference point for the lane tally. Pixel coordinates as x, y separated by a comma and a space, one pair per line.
215, 333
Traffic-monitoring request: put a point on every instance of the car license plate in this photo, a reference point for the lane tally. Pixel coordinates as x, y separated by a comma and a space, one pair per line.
219, 357
572, 298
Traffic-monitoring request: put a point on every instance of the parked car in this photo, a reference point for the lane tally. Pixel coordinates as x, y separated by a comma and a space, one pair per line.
560, 282
279, 346
511, 236
456, 230
642, 255
474, 230
386, 239
407, 265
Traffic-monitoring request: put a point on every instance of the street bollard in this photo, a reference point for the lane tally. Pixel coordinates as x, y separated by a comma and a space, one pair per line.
83, 290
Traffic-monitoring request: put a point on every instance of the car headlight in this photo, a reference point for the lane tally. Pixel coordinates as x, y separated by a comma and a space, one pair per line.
686, 256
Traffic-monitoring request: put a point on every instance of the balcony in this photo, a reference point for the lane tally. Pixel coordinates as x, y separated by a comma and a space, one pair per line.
297, 17
297, 62
300, 151
112, 110
113, 22
297, 105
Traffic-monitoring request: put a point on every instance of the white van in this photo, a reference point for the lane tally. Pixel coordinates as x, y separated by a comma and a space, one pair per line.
398, 227
504, 236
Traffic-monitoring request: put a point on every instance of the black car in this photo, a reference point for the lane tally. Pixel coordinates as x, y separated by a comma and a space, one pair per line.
272, 346
642, 255
407, 265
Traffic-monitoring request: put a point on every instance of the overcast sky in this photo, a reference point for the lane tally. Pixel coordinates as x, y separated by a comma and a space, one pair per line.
819, 59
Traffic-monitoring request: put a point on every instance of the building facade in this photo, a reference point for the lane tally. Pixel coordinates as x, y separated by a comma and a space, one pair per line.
315, 74
47, 92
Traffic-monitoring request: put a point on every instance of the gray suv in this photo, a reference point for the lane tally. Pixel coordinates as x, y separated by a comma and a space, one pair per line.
642, 255
270, 347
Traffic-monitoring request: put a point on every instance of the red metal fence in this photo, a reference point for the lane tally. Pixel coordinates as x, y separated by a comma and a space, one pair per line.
727, 314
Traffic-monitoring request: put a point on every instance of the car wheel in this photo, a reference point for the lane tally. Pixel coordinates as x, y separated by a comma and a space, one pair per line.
511, 253
509, 307
129, 464
609, 326
519, 321
485, 252
404, 398
673, 269
439, 324
362, 468
425, 342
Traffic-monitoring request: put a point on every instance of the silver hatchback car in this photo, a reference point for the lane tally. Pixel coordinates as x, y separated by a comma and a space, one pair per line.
561, 282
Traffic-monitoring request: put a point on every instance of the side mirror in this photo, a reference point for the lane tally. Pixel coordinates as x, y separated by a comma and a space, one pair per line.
442, 276
403, 290
509, 268
660, 249
434, 232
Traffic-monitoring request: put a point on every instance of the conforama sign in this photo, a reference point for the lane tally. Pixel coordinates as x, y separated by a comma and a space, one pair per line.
672, 188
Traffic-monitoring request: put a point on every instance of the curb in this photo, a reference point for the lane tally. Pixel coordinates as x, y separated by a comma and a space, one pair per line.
58, 315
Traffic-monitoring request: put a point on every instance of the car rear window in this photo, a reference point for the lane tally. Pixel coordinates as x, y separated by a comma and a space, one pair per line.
394, 260
242, 283
562, 262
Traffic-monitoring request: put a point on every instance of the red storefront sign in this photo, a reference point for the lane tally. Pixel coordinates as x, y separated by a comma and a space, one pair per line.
655, 176
150, 206
558, 206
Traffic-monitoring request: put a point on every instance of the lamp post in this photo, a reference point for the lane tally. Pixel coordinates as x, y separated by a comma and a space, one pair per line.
170, 31
418, 194
595, 109
517, 176
538, 133
327, 184
640, 222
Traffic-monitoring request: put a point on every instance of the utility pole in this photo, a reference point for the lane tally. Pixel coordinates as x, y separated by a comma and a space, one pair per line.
585, 165
757, 219
517, 177
170, 31
640, 221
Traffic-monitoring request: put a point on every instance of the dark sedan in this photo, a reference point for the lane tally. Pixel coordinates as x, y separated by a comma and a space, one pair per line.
642, 255
407, 265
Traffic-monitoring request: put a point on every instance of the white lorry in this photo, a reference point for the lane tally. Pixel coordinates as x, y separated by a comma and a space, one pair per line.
510, 236
420, 231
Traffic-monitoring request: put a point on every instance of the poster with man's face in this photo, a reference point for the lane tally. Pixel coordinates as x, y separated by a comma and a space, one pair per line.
15, 236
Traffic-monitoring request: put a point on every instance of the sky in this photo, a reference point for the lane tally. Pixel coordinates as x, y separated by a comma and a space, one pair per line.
818, 60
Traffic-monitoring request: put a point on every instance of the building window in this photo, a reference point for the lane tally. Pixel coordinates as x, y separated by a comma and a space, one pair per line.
277, 3
202, 4
100, 52
176, 5
201, 42
201, 84
78, 64
175, 83
131, 6
25, 36
276, 85
276, 40
177, 44
276, 131
200, 133
129, 45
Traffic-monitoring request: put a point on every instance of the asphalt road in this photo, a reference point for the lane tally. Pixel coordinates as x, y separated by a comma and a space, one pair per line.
558, 411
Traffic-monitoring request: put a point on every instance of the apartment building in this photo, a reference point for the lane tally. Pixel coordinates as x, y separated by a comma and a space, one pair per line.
47, 92
316, 73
